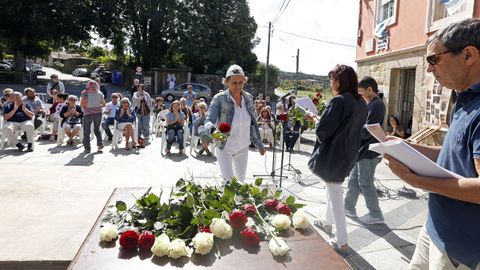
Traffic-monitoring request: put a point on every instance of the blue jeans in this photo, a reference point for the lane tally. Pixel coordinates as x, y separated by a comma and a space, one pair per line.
143, 125
105, 125
361, 178
87, 123
171, 134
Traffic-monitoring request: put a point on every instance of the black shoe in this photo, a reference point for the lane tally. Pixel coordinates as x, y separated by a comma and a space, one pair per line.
109, 139
24, 137
20, 146
86, 151
208, 152
201, 151
29, 148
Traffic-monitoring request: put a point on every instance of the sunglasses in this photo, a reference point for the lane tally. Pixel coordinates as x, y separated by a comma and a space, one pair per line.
435, 58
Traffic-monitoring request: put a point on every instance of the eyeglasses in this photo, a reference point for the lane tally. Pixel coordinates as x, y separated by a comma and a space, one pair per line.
435, 58
114, 97
71, 99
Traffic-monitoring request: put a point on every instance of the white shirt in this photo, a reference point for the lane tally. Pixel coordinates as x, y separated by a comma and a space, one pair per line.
112, 108
58, 109
240, 132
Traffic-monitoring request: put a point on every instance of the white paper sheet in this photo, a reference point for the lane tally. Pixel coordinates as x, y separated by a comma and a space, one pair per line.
377, 132
413, 159
306, 104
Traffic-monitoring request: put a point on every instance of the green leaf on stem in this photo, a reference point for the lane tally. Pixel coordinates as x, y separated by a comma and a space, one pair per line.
121, 206
290, 200
258, 181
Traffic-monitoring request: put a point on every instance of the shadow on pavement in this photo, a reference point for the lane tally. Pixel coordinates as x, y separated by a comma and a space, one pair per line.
82, 160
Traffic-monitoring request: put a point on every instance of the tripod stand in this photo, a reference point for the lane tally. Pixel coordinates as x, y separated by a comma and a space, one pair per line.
273, 173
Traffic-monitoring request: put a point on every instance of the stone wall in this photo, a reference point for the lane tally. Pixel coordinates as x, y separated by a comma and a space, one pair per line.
386, 70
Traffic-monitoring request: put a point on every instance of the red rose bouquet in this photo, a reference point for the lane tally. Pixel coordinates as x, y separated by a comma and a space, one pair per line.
222, 132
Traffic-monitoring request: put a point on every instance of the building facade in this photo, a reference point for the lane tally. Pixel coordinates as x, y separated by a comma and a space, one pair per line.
391, 49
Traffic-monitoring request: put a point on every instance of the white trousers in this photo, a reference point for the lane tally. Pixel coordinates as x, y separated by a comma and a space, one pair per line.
335, 213
10, 127
233, 164
427, 256
266, 133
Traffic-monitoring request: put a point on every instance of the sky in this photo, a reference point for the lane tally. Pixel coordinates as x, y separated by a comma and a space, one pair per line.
328, 20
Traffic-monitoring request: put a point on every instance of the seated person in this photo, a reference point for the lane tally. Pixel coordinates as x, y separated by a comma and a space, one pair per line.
175, 122
158, 105
264, 122
199, 128
291, 132
61, 98
125, 117
19, 115
36, 104
110, 111
7, 97
71, 115
394, 128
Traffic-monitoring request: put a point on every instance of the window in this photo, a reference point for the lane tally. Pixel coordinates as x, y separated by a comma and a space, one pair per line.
440, 13
386, 9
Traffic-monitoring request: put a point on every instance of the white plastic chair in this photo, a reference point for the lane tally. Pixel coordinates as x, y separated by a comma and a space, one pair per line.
61, 133
159, 124
194, 143
118, 134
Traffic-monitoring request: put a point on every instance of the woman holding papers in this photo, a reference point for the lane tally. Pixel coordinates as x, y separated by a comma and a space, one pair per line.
336, 149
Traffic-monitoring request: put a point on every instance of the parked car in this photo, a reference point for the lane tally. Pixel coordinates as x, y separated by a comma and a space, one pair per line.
104, 74
177, 92
5, 67
39, 69
80, 72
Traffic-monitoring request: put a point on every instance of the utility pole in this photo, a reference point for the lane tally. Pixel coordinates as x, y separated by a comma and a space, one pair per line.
298, 59
268, 59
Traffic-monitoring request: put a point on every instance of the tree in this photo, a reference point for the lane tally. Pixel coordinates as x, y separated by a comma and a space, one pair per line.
34, 28
258, 78
218, 33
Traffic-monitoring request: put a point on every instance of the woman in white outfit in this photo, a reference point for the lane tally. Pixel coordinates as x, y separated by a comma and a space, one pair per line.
234, 107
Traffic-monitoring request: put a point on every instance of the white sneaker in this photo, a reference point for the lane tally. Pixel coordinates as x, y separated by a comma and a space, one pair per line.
368, 219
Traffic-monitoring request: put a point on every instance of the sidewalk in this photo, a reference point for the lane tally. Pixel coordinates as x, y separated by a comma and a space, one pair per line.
52, 196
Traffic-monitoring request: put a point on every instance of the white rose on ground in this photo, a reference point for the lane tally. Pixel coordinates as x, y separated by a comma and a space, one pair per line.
220, 228
278, 247
177, 249
161, 246
108, 232
300, 220
203, 243
281, 222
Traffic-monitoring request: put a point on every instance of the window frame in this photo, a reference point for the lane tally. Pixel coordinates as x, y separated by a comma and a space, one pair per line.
431, 26
379, 12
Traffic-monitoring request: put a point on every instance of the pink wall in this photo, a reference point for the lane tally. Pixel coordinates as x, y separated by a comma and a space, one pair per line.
408, 31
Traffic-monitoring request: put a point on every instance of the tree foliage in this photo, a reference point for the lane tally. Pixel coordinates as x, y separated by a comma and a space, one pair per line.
206, 35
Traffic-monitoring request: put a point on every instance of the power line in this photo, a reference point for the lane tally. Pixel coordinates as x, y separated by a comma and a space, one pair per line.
285, 42
280, 9
319, 40
278, 17
316, 39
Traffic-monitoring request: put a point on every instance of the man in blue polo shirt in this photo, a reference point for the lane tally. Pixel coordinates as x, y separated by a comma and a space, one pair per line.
450, 239
18, 115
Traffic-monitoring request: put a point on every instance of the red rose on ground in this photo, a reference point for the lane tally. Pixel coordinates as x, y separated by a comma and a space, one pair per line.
204, 229
237, 219
250, 236
129, 239
224, 127
283, 209
146, 241
319, 95
249, 210
270, 204
315, 100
